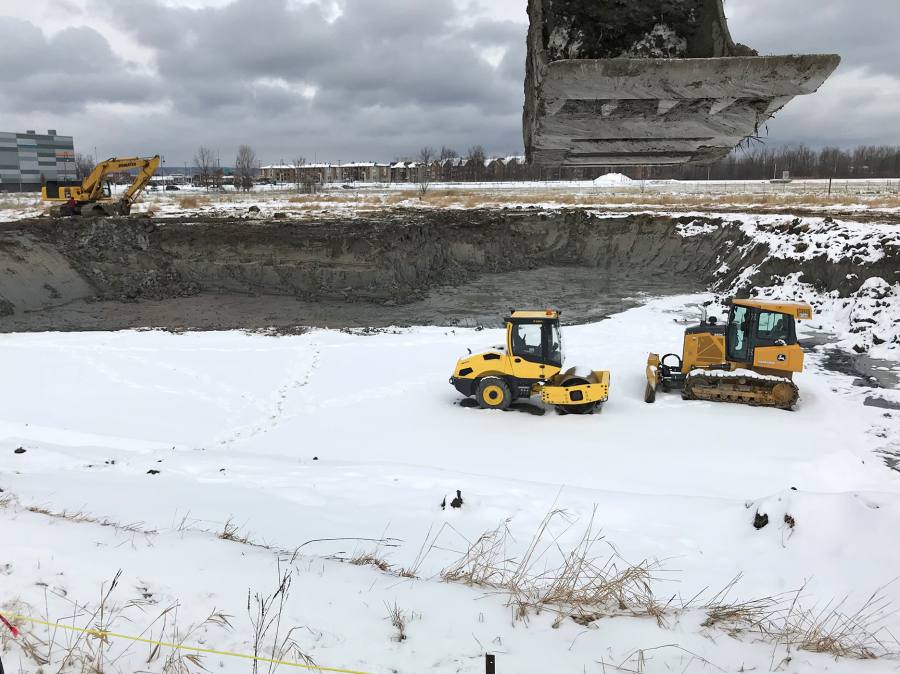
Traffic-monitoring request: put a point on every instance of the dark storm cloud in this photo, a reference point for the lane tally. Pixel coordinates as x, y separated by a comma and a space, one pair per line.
385, 77
65, 72
863, 32
376, 72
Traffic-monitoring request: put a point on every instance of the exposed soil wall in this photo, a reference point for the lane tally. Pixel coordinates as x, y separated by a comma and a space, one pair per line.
390, 260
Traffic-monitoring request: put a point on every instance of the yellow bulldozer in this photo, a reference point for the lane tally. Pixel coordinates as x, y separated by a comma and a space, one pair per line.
93, 195
530, 364
751, 359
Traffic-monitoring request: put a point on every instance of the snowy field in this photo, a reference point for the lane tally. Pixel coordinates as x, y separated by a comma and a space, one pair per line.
612, 191
293, 442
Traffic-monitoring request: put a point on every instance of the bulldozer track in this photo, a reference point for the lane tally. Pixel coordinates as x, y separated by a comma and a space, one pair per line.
744, 389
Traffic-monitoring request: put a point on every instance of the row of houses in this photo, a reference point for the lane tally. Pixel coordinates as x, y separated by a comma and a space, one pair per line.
457, 169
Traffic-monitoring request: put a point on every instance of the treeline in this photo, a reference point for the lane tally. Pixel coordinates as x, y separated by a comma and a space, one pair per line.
762, 163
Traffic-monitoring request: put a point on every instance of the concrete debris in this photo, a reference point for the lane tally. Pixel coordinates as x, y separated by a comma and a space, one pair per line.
613, 82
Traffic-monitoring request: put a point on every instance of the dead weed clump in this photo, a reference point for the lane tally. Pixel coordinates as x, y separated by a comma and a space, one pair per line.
398, 622
89, 647
267, 619
232, 532
584, 584
371, 559
831, 629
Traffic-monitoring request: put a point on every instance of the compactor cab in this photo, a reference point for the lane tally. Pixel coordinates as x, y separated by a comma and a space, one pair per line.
530, 363
750, 359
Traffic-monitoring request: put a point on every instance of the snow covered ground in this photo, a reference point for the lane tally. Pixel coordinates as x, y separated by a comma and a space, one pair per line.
336, 435
613, 191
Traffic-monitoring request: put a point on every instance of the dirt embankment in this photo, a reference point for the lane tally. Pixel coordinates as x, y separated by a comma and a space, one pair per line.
392, 260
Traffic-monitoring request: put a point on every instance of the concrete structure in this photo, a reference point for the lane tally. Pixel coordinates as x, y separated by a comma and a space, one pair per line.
28, 159
649, 92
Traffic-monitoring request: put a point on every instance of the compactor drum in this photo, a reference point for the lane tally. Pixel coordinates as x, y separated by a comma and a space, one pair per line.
530, 364
750, 360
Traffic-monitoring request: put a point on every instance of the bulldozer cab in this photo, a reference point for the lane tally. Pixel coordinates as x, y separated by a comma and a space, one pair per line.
535, 337
763, 335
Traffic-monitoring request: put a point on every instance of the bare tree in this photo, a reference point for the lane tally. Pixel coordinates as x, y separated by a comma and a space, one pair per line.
244, 165
448, 153
84, 164
425, 157
299, 163
205, 161
476, 156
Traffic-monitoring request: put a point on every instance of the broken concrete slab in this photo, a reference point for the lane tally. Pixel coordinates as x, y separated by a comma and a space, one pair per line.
607, 84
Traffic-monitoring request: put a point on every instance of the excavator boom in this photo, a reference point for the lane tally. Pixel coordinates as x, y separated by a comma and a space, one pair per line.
90, 195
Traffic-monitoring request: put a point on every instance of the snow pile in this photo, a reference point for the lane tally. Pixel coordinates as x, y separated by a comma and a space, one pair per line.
613, 180
694, 228
736, 374
809, 238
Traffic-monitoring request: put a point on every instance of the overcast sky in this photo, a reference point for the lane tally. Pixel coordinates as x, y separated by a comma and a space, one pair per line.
368, 79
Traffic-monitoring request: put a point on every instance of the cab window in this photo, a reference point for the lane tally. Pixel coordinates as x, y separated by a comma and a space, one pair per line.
772, 327
527, 341
737, 334
555, 356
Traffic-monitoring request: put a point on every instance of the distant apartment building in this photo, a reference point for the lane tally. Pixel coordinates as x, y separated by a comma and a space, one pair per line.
29, 159
367, 172
442, 170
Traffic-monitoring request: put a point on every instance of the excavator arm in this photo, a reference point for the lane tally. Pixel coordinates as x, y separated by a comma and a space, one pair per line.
146, 167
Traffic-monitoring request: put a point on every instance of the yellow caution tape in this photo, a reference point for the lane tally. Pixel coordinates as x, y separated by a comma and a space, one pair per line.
179, 647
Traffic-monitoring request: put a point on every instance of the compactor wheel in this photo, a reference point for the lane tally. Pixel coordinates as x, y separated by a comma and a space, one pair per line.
586, 408
493, 394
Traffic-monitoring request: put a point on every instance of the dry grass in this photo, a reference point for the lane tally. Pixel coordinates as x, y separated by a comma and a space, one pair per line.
266, 614
832, 629
474, 199
232, 532
398, 622
371, 559
584, 585
92, 651
79, 517
192, 201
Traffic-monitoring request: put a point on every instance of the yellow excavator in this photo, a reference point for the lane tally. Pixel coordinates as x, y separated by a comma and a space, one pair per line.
530, 363
750, 360
93, 195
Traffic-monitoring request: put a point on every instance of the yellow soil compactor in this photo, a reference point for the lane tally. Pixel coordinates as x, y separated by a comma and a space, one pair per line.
749, 360
530, 364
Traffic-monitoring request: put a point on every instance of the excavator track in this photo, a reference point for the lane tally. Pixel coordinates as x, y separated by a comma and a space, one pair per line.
741, 387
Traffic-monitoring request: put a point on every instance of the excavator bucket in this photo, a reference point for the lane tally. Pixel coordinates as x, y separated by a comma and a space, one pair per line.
649, 82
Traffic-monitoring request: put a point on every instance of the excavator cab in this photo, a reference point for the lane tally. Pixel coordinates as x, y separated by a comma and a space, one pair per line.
751, 359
